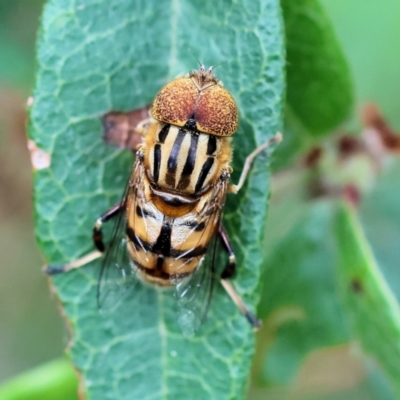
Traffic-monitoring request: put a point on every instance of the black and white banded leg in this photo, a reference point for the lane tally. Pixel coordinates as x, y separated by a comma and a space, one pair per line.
97, 240
228, 273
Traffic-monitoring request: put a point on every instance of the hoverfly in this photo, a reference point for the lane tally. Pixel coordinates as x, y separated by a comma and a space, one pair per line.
169, 219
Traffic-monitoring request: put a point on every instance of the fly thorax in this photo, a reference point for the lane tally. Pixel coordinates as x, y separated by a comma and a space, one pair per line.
186, 161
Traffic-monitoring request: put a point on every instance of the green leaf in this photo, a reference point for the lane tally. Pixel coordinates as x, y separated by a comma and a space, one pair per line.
380, 216
319, 85
372, 310
54, 380
98, 56
300, 306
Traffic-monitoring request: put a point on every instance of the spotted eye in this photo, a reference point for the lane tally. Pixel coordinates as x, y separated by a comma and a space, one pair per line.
206, 101
175, 102
216, 112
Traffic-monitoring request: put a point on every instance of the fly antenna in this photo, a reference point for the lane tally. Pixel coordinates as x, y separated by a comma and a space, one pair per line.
215, 66
201, 65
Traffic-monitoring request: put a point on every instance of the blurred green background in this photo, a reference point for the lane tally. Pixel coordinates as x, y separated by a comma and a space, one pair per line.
31, 329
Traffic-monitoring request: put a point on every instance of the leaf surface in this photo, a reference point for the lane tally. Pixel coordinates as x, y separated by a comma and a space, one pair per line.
320, 89
97, 56
299, 304
371, 307
305, 315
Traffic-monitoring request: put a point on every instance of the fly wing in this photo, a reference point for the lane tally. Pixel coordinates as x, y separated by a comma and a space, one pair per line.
194, 292
118, 273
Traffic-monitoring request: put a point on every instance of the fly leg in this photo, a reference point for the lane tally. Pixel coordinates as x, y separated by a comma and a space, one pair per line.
250, 158
230, 268
97, 240
97, 232
228, 273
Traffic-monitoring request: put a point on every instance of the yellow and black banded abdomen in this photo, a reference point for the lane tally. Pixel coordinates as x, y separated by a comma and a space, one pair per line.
165, 249
184, 160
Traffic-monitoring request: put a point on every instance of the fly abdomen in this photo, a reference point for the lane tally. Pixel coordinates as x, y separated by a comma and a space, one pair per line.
164, 248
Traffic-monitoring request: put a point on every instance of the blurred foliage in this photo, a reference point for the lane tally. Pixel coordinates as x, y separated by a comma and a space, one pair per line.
19, 22
31, 328
302, 302
54, 380
368, 34
372, 310
319, 86
308, 324
326, 335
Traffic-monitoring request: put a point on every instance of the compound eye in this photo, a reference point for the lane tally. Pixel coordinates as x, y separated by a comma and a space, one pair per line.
175, 102
216, 112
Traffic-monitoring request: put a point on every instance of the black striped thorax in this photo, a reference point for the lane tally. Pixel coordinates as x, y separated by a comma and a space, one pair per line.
184, 160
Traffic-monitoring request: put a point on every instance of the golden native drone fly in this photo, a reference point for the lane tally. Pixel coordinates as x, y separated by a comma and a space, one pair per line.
169, 219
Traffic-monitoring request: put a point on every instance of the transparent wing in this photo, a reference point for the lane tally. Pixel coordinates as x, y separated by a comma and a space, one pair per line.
194, 293
117, 274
